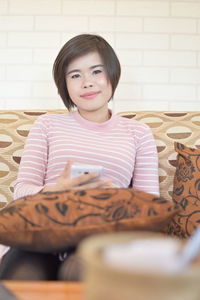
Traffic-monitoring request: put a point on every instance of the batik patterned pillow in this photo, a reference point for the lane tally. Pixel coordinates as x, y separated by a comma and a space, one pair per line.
186, 191
49, 222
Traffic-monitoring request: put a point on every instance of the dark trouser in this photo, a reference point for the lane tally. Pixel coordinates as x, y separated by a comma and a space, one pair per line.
24, 265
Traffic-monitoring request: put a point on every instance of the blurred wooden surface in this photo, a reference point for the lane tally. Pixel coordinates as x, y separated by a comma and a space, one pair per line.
45, 290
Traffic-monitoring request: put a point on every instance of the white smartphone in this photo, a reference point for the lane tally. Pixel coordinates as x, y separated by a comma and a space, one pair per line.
80, 169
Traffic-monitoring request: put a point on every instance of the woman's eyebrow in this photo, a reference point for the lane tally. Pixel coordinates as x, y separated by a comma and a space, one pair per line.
95, 66
72, 71
78, 70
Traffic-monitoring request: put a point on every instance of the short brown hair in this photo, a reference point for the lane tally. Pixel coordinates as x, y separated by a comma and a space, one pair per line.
78, 46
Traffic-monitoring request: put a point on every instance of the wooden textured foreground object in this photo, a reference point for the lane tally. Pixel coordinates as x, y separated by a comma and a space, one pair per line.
48, 290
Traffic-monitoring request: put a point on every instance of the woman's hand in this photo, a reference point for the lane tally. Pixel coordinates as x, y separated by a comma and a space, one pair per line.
78, 183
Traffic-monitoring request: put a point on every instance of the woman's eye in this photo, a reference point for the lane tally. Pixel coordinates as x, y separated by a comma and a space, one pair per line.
97, 71
75, 76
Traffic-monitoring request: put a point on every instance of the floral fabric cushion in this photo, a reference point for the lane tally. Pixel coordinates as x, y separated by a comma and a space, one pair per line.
186, 191
48, 222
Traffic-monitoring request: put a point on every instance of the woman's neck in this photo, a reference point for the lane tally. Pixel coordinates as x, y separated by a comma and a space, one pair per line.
98, 117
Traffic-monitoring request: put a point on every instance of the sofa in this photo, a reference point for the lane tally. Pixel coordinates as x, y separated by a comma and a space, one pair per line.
167, 127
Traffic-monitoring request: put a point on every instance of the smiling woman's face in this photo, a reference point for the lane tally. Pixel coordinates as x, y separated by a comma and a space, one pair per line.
88, 85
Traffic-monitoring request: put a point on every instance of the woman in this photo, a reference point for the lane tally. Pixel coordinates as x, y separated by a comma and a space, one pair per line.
86, 72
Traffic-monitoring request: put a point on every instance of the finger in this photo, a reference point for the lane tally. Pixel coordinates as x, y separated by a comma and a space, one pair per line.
92, 185
67, 169
109, 185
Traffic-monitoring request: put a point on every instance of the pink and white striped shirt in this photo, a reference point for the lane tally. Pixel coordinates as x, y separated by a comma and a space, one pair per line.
125, 148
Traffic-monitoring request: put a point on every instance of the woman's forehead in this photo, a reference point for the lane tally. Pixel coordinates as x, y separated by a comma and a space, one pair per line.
86, 61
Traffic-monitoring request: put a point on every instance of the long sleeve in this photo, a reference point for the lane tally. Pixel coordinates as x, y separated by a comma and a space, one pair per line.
33, 163
145, 176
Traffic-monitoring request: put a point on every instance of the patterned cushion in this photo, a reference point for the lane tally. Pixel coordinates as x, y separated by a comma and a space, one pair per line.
14, 128
49, 222
167, 127
186, 191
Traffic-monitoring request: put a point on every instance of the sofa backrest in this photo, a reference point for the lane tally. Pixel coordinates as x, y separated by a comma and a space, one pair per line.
167, 128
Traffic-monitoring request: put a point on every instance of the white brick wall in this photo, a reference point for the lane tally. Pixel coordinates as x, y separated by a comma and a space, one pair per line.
89, 7
169, 58
188, 9
143, 8
3, 6
158, 44
35, 7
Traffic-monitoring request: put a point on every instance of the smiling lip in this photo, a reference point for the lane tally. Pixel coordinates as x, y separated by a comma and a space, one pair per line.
89, 95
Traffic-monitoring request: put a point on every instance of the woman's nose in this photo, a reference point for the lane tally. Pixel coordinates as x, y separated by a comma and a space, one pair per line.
87, 82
